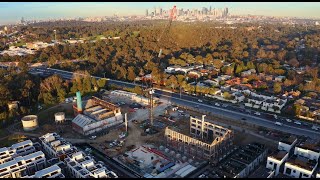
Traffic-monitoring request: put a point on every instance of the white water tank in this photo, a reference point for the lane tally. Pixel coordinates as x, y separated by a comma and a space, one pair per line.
30, 122
59, 117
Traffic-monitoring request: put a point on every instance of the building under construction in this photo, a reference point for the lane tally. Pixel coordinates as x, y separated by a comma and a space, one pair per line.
205, 140
95, 116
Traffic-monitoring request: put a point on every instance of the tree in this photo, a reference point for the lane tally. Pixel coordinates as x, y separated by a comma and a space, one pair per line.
293, 62
226, 95
131, 74
277, 87
172, 81
138, 90
297, 109
101, 83
245, 54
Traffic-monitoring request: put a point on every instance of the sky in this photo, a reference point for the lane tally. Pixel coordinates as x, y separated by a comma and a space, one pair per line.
12, 12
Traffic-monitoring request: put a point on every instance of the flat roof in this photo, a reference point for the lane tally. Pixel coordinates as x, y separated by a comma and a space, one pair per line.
261, 172
302, 162
289, 140
279, 154
310, 144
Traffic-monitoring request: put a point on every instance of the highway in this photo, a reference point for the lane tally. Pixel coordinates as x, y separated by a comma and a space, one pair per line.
229, 112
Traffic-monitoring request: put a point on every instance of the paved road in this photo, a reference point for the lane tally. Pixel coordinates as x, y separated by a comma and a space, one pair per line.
190, 101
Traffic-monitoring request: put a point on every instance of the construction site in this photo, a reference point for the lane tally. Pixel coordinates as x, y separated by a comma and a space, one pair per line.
203, 140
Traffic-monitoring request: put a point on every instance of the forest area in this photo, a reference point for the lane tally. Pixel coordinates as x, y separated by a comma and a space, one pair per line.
265, 48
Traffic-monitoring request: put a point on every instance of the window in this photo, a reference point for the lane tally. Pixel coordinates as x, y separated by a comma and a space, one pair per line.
270, 163
305, 175
294, 171
288, 171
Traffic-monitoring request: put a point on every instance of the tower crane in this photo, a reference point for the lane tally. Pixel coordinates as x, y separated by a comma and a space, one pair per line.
150, 90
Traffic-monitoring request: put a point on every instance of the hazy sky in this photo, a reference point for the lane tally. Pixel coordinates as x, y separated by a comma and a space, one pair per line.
13, 11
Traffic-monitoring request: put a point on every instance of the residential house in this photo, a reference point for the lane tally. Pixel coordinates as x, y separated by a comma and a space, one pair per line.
280, 78
277, 160
304, 162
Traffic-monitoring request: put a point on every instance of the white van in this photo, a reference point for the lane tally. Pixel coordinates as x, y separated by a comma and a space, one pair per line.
278, 123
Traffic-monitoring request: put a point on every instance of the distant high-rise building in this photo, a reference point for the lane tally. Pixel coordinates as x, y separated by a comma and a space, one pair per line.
22, 20
5, 29
147, 12
204, 11
161, 12
226, 11
210, 9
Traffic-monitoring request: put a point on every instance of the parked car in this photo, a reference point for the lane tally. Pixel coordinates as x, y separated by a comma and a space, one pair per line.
224, 105
288, 120
315, 128
180, 111
257, 113
199, 100
93, 137
278, 123
297, 122
217, 104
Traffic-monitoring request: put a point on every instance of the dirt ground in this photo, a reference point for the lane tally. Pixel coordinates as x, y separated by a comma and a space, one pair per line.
134, 130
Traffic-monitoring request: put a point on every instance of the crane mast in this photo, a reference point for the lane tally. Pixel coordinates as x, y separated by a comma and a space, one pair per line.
150, 90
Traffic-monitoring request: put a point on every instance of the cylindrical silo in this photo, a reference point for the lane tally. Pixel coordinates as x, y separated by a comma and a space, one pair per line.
30, 122
59, 117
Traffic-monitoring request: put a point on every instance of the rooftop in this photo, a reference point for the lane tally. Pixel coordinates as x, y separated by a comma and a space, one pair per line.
261, 172
302, 162
310, 144
288, 140
239, 159
279, 155
44, 172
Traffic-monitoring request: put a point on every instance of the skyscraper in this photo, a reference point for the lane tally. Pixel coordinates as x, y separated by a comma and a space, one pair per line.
22, 20
147, 12
5, 29
226, 11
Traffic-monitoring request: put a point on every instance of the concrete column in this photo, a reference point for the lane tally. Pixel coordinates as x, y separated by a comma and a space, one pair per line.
126, 121
202, 125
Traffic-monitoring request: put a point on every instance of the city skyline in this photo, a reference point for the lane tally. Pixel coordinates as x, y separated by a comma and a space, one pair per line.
54, 10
